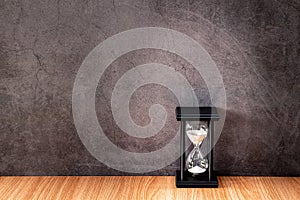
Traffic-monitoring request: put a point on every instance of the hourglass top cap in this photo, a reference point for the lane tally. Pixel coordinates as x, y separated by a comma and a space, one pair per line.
197, 113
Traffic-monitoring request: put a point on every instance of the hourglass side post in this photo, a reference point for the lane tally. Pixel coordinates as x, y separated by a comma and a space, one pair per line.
182, 149
210, 146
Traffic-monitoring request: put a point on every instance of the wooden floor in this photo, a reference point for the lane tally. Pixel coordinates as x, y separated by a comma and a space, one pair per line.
145, 187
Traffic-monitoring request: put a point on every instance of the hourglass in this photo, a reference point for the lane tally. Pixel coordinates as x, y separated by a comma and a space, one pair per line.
195, 162
197, 124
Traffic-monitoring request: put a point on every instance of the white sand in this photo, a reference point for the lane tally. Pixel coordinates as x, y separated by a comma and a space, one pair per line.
196, 170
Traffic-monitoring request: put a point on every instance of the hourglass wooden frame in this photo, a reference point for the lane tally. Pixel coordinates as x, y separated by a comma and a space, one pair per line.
185, 179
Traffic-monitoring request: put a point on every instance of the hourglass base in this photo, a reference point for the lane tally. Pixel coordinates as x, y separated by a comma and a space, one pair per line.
198, 181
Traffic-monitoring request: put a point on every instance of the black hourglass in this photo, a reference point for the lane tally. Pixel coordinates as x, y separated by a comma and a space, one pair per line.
196, 170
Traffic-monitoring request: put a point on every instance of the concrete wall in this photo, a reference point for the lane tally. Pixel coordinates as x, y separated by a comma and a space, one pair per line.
255, 45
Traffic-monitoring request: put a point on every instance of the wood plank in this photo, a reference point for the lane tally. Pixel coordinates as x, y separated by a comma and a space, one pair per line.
145, 187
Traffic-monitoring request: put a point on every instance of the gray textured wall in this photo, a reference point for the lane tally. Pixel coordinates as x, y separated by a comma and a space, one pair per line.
255, 45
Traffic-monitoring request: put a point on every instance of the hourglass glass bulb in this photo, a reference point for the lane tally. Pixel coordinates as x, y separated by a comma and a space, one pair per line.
195, 162
196, 136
